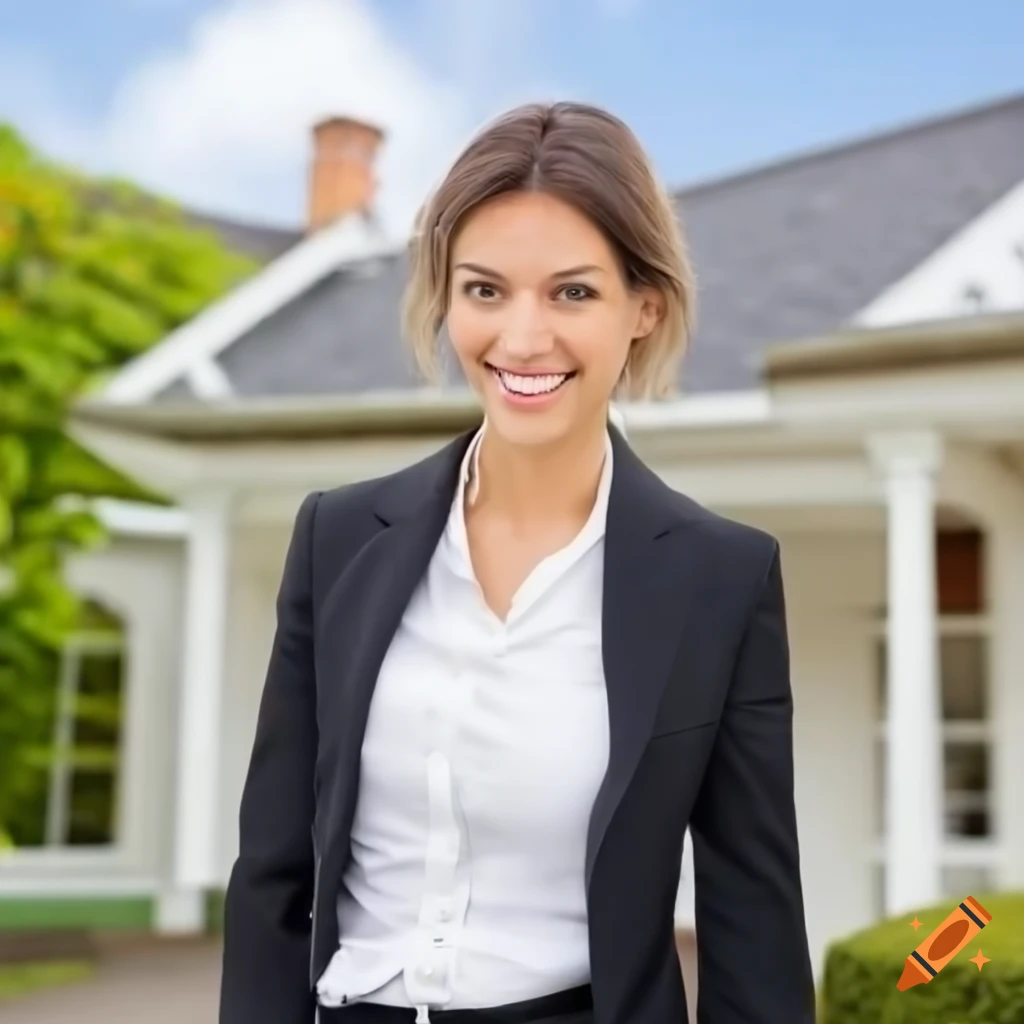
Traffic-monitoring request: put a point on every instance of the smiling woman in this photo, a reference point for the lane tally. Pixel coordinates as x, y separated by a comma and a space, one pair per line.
553, 208
535, 663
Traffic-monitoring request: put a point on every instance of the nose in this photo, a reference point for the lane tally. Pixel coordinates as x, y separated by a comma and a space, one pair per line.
526, 333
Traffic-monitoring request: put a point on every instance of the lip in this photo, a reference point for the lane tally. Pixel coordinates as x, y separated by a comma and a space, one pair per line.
532, 372
533, 402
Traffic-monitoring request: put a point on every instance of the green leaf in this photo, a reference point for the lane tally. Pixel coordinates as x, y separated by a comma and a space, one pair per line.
6, 523
92, 272
15, 469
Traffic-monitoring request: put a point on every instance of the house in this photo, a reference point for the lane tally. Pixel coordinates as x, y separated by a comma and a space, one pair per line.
856, 387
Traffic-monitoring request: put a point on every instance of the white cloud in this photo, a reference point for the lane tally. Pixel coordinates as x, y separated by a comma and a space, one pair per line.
221, 122
224, 122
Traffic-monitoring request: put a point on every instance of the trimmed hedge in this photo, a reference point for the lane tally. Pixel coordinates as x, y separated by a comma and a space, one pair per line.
861, 971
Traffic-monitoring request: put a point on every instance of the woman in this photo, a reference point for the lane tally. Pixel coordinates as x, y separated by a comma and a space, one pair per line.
507, 678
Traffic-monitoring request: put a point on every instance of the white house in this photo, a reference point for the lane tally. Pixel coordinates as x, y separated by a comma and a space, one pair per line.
856, 387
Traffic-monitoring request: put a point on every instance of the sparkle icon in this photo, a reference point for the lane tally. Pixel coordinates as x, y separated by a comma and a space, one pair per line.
953, 935
915, 924
980, 960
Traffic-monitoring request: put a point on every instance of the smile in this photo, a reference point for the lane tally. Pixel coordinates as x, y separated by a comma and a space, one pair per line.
530, 384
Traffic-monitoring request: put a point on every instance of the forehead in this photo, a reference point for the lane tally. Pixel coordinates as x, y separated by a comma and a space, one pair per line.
532, 228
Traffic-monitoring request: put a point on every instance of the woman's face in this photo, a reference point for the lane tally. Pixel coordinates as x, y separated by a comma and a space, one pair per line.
541, 317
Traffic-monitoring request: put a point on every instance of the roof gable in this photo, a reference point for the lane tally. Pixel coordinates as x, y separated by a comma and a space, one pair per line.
798, 249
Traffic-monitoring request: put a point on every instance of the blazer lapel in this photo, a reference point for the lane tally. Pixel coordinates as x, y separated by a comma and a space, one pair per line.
648, 594
364, 608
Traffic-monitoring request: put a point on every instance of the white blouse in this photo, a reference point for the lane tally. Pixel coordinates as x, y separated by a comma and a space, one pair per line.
486, 744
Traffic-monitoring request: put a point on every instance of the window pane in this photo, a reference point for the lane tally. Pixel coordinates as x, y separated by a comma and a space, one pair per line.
967, 767
92, 808
967, 789
964, 675
963, 670
91, 813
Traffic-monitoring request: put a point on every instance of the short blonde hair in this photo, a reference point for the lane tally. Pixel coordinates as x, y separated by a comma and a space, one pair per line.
590, 159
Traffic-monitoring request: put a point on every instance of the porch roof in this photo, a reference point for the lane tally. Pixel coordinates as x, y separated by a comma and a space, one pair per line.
942, 343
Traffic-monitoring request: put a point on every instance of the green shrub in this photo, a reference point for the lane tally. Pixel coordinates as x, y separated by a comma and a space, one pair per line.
861, 971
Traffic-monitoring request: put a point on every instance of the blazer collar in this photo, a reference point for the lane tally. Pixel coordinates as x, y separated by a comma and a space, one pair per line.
638, 500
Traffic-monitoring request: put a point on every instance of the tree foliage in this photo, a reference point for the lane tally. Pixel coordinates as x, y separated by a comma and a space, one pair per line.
92, 273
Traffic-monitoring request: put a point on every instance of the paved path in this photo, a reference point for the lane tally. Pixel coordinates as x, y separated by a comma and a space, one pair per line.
173, 983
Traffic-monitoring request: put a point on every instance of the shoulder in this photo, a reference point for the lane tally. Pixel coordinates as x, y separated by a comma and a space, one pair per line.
346, 501
738, 556
729, 549
732, 539
358, 509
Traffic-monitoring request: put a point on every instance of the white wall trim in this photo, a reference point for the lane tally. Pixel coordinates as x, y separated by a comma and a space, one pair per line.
988, 253
204, 337
954, 853
137, 519
711, 409
198, 762
208, 379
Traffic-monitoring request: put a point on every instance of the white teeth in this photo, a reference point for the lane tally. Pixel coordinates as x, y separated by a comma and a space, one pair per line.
533, 385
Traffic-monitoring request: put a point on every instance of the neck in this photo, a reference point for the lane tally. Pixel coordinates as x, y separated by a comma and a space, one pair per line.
531, 483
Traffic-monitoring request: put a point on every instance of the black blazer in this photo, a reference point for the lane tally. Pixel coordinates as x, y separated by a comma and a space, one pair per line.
697, 668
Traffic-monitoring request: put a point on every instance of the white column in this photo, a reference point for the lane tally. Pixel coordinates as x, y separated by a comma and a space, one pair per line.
195, 866
1005, 574
914, 769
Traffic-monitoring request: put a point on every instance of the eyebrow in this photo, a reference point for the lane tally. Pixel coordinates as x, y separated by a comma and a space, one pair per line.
477, 268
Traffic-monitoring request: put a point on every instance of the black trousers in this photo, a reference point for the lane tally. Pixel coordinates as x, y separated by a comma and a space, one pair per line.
573, 1006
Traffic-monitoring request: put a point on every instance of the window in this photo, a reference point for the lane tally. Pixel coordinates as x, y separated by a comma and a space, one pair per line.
82, 799
70, 785
964, 683
963, 670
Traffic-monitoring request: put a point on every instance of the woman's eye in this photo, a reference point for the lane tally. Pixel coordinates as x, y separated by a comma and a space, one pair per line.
481, 290
576, 292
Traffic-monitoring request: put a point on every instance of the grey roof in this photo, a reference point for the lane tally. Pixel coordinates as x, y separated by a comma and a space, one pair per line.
343, 335
790, 250
797, 249
263, 242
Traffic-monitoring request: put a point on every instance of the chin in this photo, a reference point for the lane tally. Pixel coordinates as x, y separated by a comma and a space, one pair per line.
528, 429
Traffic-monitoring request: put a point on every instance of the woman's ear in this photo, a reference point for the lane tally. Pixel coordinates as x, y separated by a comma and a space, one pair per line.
650, 312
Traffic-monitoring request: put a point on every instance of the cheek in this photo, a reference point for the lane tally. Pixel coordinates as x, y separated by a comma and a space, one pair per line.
599, 342
470, 330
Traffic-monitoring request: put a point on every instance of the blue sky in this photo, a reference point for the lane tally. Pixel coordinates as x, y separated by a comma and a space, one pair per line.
210, 100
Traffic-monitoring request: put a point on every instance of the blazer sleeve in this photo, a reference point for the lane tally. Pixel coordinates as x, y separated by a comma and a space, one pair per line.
753, 962
267, 923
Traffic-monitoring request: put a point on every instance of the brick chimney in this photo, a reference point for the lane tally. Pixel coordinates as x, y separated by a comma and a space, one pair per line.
341, 174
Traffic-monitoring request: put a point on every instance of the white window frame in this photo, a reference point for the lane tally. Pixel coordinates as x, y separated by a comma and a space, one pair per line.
58, 802
976, 852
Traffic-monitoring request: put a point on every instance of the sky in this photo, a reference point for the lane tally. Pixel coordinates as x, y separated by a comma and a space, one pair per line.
211, 101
